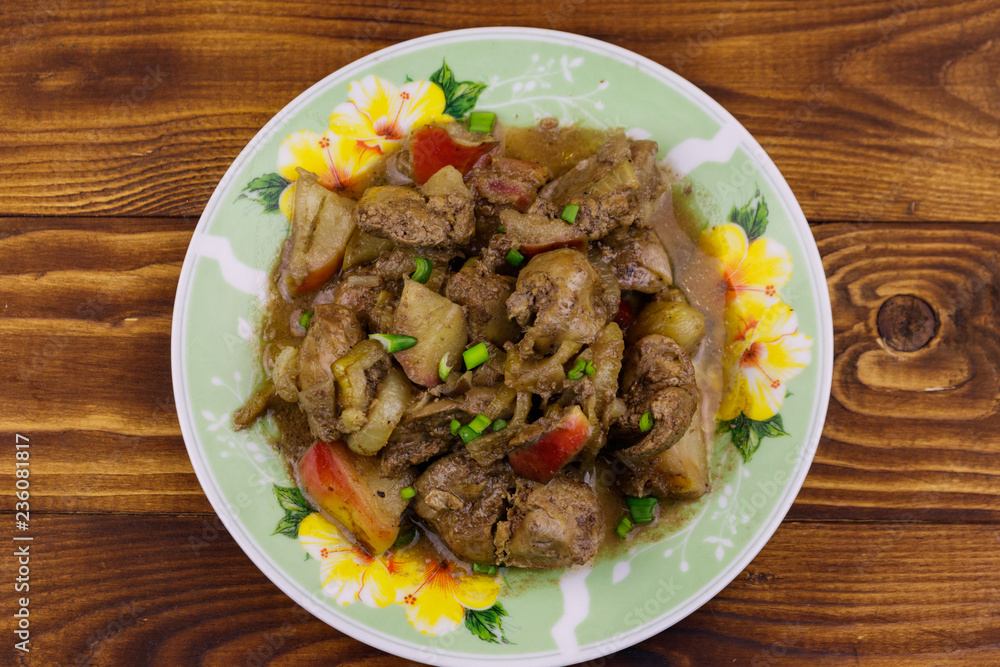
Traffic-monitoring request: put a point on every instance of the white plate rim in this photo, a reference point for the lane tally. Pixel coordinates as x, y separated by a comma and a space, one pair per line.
390, 643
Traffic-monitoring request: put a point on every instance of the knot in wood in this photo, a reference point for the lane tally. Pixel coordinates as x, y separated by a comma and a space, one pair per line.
906, 323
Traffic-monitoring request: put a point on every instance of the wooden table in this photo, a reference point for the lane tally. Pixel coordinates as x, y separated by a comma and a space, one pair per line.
118, 120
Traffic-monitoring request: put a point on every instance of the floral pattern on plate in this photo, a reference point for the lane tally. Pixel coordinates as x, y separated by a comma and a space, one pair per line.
555, 618
764, 348
438, 595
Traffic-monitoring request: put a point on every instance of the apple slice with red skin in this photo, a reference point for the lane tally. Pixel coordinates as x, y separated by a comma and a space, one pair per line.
505, 181
334, 227
432, 148
540, 459
318, 242
347, 487
317, 277
534, 233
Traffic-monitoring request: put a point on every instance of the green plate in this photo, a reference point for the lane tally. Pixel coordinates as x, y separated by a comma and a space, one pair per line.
780, 353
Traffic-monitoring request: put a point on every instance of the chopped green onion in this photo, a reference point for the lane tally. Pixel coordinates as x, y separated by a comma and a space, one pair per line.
515, 258
467, 434
407, 493
481, 121
424, 268
578, 370
501, 229
475, 356
623, 527
589, 369
405, 537
569, 213
641, 509
306, 319
480, 423
444, 370
394, 342
499, 425
646, 422
455, 425
481, 568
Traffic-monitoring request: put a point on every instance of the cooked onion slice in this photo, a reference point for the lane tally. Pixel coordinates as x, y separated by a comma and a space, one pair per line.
386, 411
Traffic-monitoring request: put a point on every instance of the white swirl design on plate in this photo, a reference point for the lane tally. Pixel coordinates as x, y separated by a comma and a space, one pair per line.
242, 444
530, 88
686, 156
576, 608
244, 278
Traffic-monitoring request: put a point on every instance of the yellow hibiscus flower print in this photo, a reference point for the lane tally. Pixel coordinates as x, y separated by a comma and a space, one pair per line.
368, 126
754, 272
339, 163
763, 359
379, 114
336, 160
439, 592
347, 572
437, 595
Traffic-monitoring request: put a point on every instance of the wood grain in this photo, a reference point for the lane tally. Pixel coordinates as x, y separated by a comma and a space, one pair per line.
86, 323
86, 354
96, 386
888, 594
884, 116
915, 433
138, 108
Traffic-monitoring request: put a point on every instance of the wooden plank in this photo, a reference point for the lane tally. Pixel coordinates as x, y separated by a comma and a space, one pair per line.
138, 108
55, 380
87, 322
828, 593
102, 471
90, 270
93, 331
880, 594
915, 433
